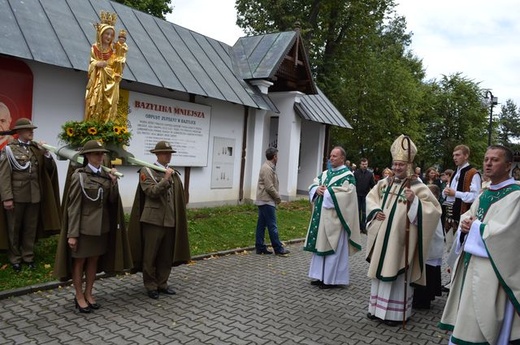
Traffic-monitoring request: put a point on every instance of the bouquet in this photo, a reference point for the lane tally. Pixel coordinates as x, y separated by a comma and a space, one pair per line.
77, 133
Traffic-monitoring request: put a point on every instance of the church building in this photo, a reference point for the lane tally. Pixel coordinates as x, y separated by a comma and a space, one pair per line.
219, 106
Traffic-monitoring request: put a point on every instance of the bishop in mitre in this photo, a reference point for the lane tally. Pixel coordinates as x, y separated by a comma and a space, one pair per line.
400, 209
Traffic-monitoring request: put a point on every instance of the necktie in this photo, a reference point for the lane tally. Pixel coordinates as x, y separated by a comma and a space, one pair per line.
25, 146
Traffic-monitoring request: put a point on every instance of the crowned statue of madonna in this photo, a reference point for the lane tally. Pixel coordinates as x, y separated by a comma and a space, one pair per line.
105, 71
103, 120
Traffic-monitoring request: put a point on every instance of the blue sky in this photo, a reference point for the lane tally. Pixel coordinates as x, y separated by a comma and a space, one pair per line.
475, 37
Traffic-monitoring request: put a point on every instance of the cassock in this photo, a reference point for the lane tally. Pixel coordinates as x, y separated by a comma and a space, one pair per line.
386, 244
484, 303
333, 232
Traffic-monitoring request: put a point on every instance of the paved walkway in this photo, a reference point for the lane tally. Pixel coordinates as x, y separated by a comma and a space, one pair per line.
240, 298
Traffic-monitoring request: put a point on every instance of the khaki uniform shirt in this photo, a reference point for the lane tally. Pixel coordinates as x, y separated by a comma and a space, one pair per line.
89, 194
159, 206
20, 182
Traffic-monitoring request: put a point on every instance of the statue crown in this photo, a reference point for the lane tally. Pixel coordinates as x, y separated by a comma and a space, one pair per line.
108, 18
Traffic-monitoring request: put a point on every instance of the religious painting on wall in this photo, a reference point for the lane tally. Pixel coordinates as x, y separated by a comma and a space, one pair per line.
16, 90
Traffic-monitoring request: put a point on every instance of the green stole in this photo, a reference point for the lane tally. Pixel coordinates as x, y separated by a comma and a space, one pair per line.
325, 180
486, 200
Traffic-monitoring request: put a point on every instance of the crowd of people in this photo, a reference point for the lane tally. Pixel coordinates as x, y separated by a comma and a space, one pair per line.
90, 219
409, 219
91, 224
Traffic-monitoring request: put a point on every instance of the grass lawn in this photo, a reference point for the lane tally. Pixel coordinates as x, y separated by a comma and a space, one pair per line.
210, 230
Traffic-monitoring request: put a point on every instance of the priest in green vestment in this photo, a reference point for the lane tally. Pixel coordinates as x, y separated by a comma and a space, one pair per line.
334, 231
483, 306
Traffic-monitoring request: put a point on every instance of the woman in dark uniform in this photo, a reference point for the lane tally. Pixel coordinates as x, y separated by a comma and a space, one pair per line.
92, 191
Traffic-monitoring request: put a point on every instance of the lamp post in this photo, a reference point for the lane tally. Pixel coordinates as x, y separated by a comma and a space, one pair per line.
492, 102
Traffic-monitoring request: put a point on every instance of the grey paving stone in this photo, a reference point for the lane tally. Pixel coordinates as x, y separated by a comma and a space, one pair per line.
231, 299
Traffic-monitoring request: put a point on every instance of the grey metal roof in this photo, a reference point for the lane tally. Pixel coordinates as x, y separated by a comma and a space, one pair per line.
259, 57
162, 54
279, 57
318, 108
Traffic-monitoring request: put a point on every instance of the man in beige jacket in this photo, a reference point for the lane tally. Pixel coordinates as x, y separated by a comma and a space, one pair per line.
267, 197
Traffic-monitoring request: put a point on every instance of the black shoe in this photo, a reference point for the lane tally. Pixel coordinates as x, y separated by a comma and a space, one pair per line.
85, 310
153, 294
316, 282
421, 306
31, 265
168, 291
94, 306
263, 251
372, 317
283, 252
391, 323
17, 267
329, 286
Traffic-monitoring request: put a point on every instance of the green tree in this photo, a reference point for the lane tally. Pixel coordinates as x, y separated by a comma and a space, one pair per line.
358, 52
330, 28
455, 116
157, 8
509, 125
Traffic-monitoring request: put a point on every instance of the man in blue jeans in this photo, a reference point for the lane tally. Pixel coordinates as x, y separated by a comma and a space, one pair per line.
267, 197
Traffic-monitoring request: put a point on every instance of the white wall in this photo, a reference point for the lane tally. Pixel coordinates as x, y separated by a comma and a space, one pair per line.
311, 157
289, 132
59, 96
227, 121
257, 143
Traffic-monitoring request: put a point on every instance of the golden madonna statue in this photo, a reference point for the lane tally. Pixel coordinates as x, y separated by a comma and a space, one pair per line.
105, 71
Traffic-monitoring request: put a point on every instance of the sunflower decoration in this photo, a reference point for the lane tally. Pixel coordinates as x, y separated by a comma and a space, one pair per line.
77, 133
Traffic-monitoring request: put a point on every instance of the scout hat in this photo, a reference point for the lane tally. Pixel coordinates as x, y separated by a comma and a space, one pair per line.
23, 123
93, 146
403, 149
163, 146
